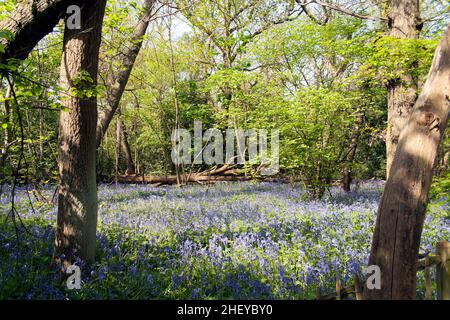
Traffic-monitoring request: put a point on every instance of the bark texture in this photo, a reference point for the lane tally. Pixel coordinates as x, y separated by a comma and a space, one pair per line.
30, 21
77, 191
401, 212
126, 148
403, 22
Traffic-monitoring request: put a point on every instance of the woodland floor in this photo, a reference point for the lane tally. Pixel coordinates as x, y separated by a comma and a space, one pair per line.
229, 240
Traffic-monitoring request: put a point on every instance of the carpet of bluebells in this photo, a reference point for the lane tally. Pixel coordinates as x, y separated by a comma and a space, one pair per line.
231, 240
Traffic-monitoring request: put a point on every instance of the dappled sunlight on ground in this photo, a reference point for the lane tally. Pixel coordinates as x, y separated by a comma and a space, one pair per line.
239, 240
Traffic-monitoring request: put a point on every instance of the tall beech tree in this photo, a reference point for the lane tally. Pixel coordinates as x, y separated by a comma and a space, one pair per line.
77, 191
401, 212
404, 23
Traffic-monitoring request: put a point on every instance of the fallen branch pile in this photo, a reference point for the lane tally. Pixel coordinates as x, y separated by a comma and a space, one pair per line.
224, 173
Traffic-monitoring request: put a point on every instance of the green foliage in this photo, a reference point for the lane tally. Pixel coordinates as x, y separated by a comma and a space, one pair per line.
5, 34
38, 102
6, 7
243, 64
318, 122
82, 86
440, 188
393, 58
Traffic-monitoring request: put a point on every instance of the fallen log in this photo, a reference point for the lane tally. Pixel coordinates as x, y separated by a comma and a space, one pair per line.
226, 169
225, 173
172, 179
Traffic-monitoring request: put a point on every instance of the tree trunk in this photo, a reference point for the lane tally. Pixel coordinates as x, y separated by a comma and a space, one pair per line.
172, 179
7, 130
350, 156
77, 190
178, 167
403, 22
117, 149
122, 140
126, 148
30, 21
401, 212
346, 179
347, 175
116, 89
